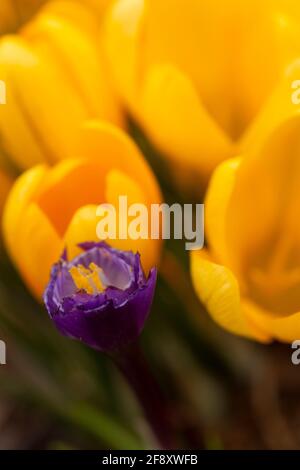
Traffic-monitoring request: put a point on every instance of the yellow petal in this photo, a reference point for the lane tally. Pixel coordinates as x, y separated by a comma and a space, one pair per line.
216, 206
16, 12
112, 147
84, 72
24, 190
218, 290
25, 9
120, 184
5, 185
8, 19
14, 119
265, 52
285, 329
38, 248
277, 109
123, 32
179, 124
264, 201
98, 5
99, 140
70, 185
194, 39
82, 228
73, 11
50, 108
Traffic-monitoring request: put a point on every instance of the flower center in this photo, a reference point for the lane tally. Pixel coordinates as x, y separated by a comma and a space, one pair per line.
88, 279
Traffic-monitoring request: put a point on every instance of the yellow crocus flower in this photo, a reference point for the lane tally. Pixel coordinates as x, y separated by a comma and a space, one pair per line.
55, 79
52, 208
197, 74
249, 276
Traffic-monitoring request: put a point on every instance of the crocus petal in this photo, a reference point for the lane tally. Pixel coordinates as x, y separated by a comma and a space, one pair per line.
82, 227
216, 205
218, 290
179, 34
75, 12
8, 19
117, 149
29, 73
264, 199
5, 185
13, 118
123, 31
25, 9
285, 329
22, 193
277, 109
120, 184
173, 115
71, 184
84, 71
270, 47
16, 12
37, 248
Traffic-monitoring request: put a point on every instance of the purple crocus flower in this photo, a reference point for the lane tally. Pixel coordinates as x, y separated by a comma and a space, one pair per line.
101, 297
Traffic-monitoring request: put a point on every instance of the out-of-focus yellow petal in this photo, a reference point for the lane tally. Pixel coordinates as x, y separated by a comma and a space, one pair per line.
98, 5
268, 42
81, 228
84, 71
13, 116
178, 122
15, 12
71, 185
120, 184
278, 108
38, 248
22, 193
115, 149
25, 9
5, 185
123, 32
266, 197
216, 206
263, 233
8, 20
285, 329
179, 34
83, 224
47, 111
218, 290
75, 12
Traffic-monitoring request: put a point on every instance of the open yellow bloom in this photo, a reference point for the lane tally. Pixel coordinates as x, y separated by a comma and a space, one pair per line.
50, 209
55, 79
196, 74
249, 277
